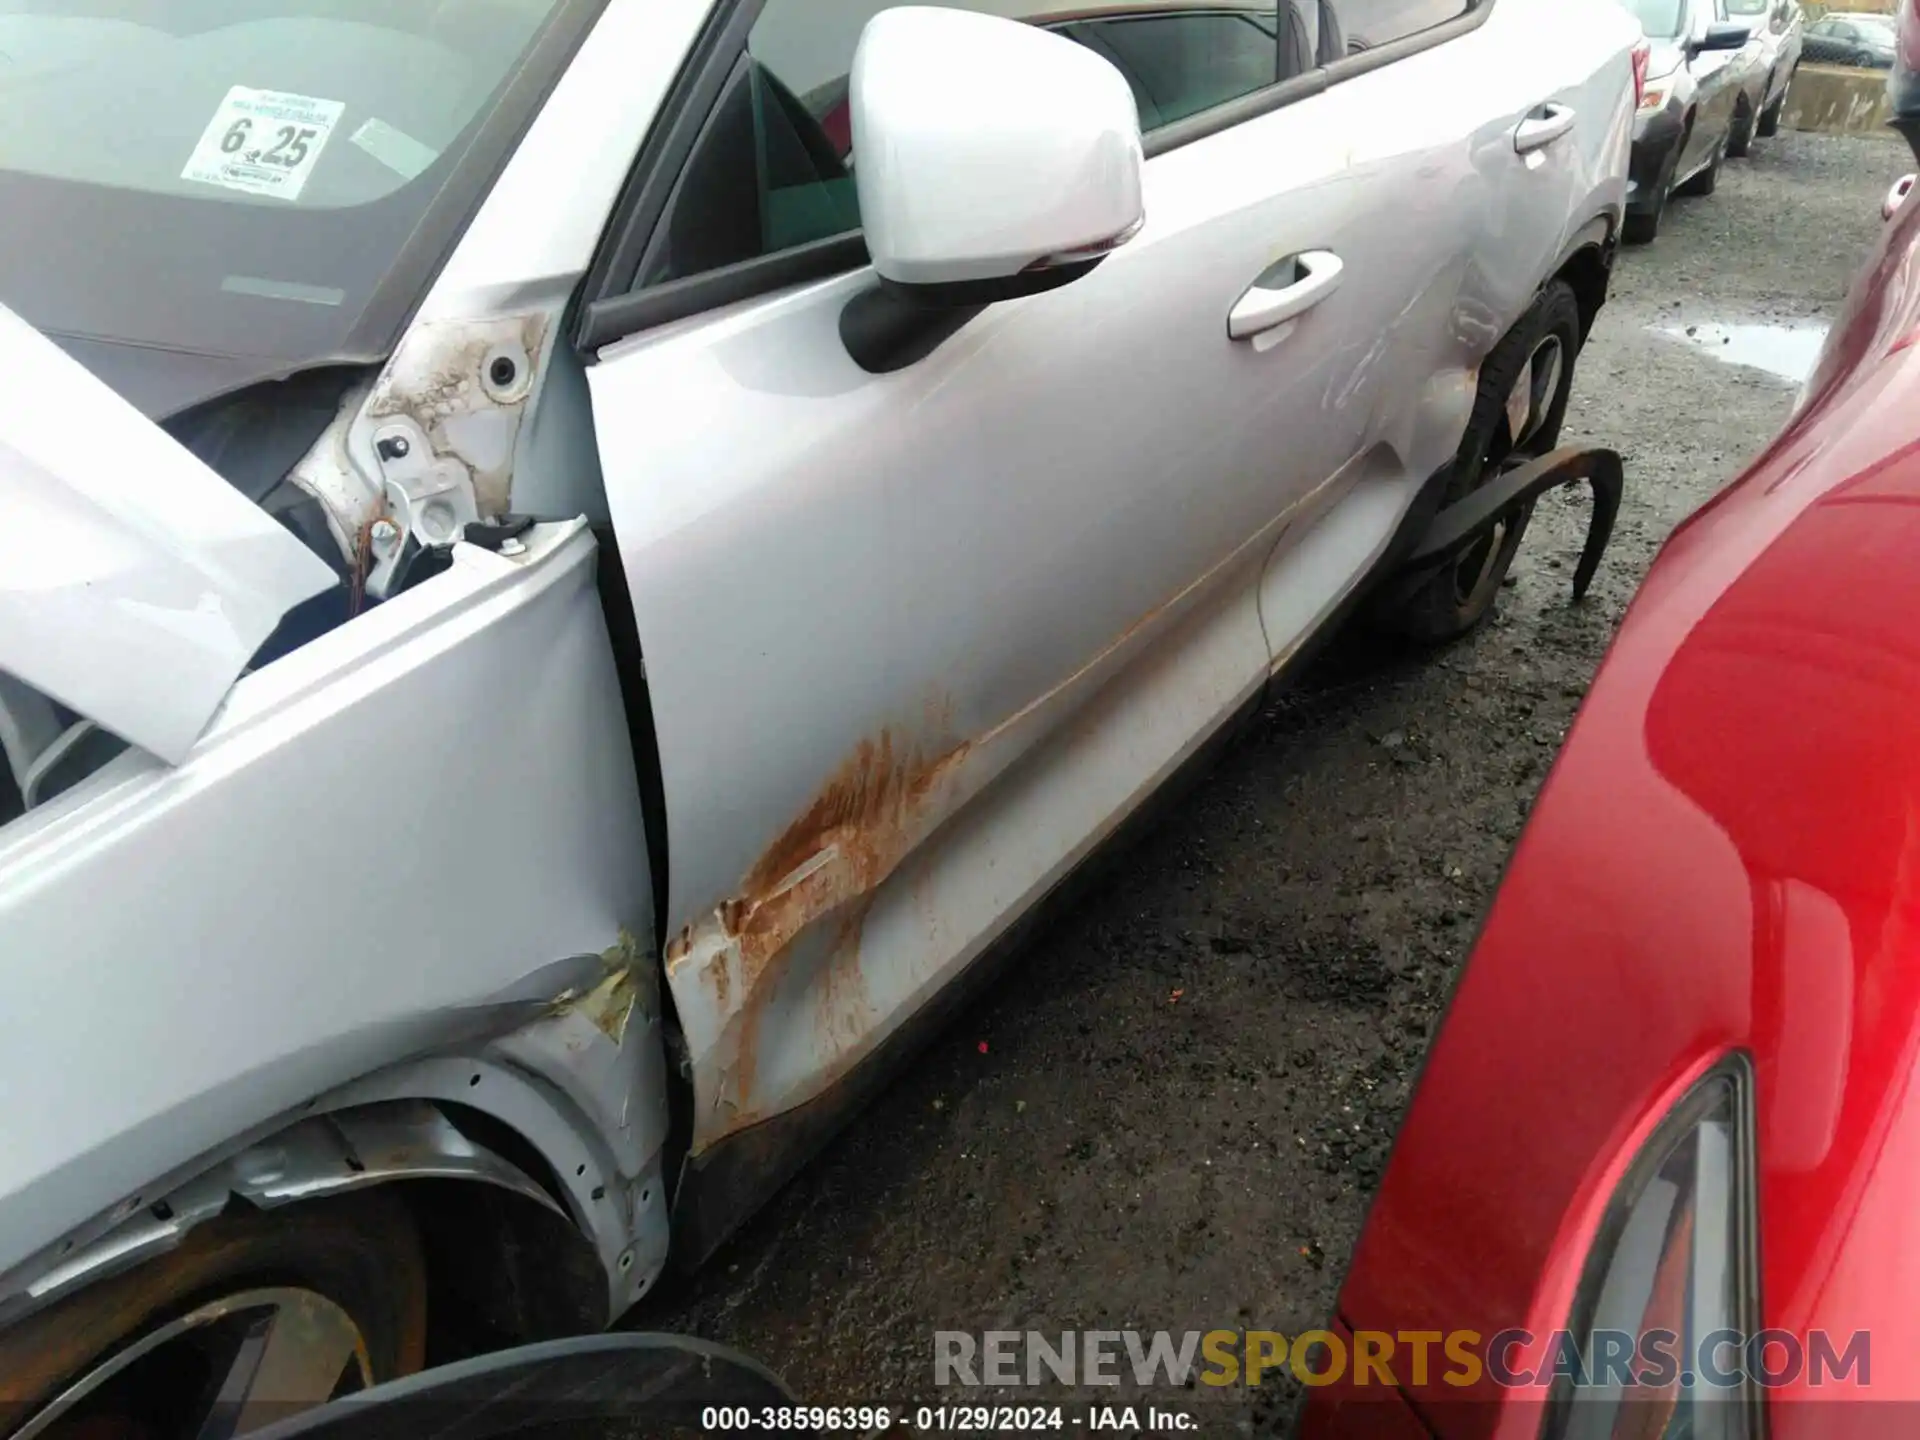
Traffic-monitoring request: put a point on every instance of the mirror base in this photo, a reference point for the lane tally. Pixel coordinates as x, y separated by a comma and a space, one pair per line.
889, 326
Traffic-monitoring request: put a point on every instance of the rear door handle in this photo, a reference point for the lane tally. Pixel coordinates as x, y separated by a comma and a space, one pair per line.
1316, 275
1542, 128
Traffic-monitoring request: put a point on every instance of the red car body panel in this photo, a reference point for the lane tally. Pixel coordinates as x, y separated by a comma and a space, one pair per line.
1346, 1411
1726, 856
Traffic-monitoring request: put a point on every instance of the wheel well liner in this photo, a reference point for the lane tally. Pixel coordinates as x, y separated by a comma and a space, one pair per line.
1589, 270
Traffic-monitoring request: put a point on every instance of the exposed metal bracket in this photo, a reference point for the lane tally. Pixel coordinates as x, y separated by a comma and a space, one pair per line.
429, 500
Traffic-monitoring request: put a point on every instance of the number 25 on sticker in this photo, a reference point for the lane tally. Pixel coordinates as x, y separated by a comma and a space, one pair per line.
288, 150
263, 142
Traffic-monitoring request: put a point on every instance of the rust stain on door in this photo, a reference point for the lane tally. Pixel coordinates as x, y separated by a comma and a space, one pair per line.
881, 802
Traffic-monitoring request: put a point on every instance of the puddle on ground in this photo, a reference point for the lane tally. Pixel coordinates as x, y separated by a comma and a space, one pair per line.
1787, 350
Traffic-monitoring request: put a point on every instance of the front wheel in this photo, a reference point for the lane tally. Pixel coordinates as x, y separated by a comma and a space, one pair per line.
254, 1317
1518, 410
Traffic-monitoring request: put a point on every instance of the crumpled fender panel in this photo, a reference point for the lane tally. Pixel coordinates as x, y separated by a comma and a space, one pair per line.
135, 584
416, 833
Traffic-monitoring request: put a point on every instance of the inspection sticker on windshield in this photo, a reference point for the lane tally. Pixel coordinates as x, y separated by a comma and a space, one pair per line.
264, 142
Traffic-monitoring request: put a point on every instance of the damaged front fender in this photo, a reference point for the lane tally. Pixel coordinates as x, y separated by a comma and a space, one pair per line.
583, 1083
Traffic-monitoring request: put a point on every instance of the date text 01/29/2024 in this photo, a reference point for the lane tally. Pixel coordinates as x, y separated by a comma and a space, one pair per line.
954, 1419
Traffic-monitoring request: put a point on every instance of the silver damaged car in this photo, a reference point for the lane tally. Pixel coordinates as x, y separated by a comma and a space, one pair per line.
571, 568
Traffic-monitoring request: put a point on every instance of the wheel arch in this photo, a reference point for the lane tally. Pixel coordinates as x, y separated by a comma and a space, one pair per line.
488, 1157
1588, 268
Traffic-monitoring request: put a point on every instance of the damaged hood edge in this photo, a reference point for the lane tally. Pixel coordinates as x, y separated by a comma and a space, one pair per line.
135, 583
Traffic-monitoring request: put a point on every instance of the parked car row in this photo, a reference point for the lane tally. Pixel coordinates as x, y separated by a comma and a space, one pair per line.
1717, 77
577, 567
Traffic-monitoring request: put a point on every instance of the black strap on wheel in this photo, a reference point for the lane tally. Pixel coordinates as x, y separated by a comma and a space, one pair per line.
1460, 524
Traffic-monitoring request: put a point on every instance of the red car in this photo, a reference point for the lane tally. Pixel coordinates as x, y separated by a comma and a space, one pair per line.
1661, 1174
1906, 65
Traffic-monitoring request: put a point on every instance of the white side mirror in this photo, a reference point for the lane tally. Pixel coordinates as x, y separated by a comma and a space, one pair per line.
992, 157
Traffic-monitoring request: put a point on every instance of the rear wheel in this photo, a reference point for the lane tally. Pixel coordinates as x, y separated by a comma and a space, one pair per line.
1769, 123
1518, 410
253, 1318
1740, 138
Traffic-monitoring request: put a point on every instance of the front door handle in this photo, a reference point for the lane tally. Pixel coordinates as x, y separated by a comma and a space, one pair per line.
1315, 274
1542, 128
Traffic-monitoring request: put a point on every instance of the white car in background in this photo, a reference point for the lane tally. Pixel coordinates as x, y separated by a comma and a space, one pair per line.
554, 611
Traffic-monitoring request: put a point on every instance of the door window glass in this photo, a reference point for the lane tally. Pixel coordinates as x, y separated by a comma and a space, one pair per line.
1660, 19
1369, 24
1180, 65
774, 168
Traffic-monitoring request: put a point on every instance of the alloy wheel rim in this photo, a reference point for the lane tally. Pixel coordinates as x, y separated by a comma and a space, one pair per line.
1533, 393
1528, 405
225, 1368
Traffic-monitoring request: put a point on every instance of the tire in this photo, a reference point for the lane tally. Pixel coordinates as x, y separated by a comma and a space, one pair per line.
1708, 180
360, 1254
1641, 227
1768, 125
1455, 601
1740, 137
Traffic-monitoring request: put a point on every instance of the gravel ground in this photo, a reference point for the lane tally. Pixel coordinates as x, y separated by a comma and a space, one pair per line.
1171, 1113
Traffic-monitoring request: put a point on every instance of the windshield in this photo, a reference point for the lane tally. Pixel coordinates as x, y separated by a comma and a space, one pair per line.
1749, 7
240, 178
1661, 19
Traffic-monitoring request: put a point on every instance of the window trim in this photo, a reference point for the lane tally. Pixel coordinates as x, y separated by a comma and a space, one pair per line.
611, 310
642, 204
1465, 23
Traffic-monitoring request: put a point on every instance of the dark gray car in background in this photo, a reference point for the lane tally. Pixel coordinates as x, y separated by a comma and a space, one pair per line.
1851, 39
1704, 80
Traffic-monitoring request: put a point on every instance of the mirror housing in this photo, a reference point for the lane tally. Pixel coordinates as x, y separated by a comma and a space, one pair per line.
1722, 36
992, 159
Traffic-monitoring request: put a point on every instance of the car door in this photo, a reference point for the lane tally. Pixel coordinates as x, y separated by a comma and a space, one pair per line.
914, 641
1455, 222
1717, 73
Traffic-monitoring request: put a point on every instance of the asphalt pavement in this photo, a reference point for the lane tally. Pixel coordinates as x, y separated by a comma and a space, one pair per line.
1172, 1110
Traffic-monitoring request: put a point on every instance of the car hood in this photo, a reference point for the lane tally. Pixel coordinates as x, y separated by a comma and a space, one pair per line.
1726, 856
135, 583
